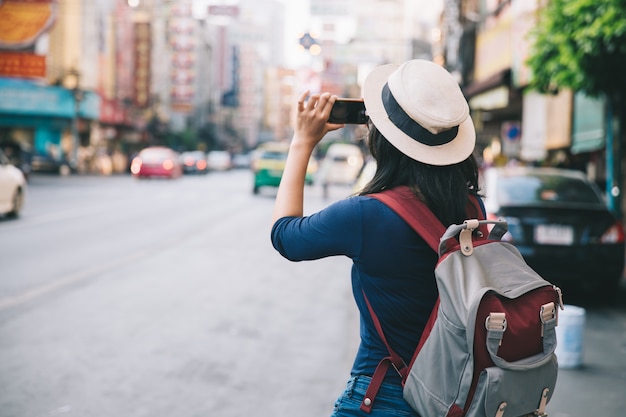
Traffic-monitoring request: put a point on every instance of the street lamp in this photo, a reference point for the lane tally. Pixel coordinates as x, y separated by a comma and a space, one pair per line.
72, 83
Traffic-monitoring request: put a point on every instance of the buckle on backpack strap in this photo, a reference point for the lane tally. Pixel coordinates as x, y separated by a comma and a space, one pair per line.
495, 323
465, 237
548, 314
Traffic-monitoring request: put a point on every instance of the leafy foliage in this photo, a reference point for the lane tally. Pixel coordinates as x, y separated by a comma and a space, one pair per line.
580, 44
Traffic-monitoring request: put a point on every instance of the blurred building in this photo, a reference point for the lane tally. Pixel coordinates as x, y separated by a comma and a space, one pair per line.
485, 43
356, 36
84, 108
246, 44
48, 100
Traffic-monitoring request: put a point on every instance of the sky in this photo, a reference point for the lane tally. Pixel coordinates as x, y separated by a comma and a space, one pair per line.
297, 19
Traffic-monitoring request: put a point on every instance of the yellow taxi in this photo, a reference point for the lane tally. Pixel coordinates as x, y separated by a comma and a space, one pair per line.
268, 164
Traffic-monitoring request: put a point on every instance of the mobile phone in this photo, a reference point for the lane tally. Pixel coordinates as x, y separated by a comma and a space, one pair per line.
348, 111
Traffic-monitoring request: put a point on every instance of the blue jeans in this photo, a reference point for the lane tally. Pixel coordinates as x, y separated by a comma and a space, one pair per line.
389, 401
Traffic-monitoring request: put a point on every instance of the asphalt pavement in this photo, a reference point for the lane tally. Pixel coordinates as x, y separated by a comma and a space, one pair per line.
164, 298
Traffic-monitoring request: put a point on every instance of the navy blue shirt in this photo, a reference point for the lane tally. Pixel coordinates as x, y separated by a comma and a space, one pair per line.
392, 264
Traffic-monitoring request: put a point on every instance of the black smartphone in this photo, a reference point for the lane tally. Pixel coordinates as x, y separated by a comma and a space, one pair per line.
348, 111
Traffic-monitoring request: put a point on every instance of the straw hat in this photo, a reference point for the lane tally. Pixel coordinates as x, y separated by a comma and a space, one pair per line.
420, 109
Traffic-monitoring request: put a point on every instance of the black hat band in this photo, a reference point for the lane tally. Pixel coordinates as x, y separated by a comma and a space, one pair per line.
409, 126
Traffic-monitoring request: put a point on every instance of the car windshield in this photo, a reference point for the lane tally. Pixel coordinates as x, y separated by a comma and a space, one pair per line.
546, 189
274, 155
154, 155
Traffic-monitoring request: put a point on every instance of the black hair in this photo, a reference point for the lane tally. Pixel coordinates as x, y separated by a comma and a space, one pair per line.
444, 189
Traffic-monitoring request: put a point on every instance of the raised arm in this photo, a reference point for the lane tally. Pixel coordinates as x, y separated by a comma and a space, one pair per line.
311, 126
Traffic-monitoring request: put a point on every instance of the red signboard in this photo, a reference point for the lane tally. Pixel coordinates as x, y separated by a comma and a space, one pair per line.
113, 112
183, 43
22, 65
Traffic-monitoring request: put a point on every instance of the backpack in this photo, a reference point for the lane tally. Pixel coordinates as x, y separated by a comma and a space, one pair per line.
488, 347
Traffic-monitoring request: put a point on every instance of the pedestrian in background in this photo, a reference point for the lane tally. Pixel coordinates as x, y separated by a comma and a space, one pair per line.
422, 138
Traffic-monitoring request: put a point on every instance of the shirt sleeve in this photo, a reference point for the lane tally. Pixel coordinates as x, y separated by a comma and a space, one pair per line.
335, 230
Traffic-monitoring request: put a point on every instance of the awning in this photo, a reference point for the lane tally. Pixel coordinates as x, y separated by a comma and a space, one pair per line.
502, 78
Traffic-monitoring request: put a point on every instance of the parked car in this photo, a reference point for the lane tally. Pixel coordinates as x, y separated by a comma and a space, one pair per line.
241, 160
18, 156
12, 188
341, 165
219, 161
560, 223
366, 174
268, 164
49, 164
194, 162
156, 161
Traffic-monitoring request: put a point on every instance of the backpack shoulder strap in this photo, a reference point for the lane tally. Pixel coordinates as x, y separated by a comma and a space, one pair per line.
414, 212
402, 201
421, 219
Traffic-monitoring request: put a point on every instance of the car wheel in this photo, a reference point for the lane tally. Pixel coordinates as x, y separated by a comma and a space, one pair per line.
255, 190
18, 203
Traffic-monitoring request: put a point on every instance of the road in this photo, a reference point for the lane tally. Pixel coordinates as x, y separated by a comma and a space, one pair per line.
131, 298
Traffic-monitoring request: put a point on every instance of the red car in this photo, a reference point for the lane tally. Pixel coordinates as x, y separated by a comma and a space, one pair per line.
157, 161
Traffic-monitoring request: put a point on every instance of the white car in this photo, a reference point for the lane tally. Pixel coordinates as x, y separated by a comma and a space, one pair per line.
12, 188
341, 165
219, 161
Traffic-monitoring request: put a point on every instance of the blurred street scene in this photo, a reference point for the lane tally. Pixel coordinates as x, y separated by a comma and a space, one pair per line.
85, 85
141, 143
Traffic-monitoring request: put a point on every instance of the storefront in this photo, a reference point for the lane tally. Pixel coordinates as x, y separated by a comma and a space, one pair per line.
50, 122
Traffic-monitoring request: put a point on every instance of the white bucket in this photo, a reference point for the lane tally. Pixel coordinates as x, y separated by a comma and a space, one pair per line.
569, 336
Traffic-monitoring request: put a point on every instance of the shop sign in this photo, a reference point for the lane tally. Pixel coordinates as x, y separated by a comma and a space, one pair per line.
182, 75
534, 123
496, 98
142, 50
111, 111
493, 50
546, 121
589, 124
22, 65
522, 25
510, 138
23, 98
23, 21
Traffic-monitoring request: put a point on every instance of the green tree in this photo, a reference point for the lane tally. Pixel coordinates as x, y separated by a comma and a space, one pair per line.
581, 44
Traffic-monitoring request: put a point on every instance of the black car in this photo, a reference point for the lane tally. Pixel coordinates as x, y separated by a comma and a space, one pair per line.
560, 223
194, 162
